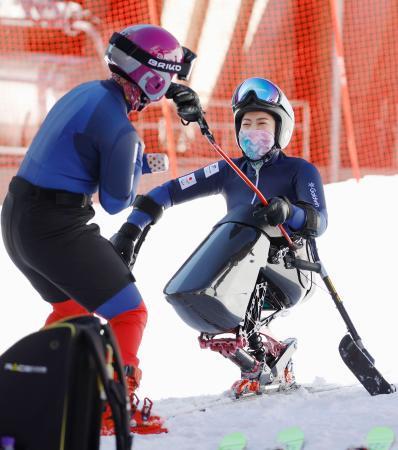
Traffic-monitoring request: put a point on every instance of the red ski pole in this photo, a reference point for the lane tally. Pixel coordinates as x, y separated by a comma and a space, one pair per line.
204, 128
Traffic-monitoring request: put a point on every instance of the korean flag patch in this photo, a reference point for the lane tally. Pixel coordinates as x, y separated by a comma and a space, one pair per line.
211, 169
187, 181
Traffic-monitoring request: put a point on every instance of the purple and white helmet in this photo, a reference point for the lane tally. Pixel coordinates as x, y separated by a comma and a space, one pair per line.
149, 56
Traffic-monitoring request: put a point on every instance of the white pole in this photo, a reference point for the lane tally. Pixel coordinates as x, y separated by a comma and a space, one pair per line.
335, 117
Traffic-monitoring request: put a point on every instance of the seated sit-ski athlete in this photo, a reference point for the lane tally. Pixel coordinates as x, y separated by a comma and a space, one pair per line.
264, 123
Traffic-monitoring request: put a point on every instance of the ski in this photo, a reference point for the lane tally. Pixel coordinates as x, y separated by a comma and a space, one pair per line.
233, 441
378, 438
227, 399
291, 438
363, 368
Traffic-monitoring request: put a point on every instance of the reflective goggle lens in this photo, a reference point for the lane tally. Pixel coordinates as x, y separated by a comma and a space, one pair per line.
264, 90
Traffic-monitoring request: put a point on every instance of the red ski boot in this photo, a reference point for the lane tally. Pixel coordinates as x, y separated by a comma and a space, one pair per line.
142, 422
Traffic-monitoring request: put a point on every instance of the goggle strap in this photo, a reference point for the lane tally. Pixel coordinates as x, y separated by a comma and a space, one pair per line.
249, 97
124, 44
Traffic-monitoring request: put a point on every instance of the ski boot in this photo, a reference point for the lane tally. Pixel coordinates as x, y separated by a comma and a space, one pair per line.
274, 372
142, 422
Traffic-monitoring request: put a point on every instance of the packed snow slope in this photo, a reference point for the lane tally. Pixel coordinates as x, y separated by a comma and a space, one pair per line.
334, 420
359, 252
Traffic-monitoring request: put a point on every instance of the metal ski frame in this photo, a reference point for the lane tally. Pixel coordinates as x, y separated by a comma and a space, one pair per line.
351, 348
250, 352
236, 349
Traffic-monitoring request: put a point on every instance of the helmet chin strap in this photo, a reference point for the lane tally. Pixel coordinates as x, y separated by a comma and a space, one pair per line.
132, 93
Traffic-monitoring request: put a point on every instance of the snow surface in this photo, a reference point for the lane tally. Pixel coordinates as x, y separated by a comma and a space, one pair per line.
359, 251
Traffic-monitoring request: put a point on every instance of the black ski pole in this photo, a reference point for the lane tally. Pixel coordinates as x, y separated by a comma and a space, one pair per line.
351, 348
137, 247
338, 301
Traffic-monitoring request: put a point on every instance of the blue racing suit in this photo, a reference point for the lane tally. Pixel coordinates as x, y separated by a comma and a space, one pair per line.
86, 143
294, 178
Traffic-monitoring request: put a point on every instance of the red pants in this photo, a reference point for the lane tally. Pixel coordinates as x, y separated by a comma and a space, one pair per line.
128, 326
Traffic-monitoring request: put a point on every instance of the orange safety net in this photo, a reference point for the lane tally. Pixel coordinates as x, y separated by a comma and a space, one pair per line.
340, 77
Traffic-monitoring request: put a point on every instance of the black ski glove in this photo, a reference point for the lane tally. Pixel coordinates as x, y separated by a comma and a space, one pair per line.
187, 102
124, 241
279, 210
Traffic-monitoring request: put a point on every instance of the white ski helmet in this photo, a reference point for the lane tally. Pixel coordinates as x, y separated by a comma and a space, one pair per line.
259, 94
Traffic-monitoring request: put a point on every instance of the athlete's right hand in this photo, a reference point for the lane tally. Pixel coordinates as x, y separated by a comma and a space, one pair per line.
278, 210
124, 242
187, 102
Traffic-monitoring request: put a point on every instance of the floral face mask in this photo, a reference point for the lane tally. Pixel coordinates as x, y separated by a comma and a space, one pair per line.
256, 143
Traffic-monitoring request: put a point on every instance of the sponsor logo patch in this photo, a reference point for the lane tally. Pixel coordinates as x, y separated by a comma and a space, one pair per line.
314, 194
164, 65
187, 181
211, 169
24, 368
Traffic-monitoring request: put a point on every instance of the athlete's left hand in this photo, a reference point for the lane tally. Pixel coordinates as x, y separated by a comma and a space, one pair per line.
124, 241
187, 102
279, 210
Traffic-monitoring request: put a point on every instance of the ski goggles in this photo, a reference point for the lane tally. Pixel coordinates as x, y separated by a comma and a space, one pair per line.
263, 89
182, 69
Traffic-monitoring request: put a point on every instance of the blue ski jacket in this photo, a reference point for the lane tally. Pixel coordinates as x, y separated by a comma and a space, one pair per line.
295, 178
87, 143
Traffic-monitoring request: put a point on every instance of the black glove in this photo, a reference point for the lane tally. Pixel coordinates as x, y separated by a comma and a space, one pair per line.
187, 102
279, 210
124, 241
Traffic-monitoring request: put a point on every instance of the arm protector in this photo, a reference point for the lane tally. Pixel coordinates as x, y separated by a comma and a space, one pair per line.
312, 224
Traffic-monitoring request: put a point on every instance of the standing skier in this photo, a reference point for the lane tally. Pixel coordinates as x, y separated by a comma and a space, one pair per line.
87, 143
264, 123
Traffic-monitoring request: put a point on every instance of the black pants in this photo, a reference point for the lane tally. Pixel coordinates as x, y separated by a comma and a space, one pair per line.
46, 234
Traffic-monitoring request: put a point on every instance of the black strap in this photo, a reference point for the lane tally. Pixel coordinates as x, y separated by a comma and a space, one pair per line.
146, 204
20, 186
115, 390
312, 222
97, 337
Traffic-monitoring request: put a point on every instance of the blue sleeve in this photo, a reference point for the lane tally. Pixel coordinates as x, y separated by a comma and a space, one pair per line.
145, 166
200, 183
297, 220
203, 182
309, 189
120, 171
